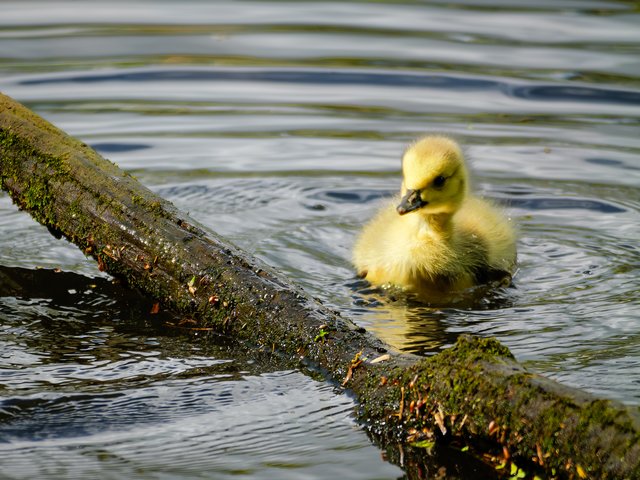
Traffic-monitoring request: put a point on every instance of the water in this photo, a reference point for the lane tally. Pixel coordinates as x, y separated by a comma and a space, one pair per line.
280, 125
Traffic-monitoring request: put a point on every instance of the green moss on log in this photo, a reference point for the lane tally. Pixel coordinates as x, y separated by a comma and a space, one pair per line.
35, 196
476, 394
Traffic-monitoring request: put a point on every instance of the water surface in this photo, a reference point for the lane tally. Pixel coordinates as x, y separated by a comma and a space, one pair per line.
280, 125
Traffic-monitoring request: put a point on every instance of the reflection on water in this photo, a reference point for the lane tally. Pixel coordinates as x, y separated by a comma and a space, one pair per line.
413, 326
280, 125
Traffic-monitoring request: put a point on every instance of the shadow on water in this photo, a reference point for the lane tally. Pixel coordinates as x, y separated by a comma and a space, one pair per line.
64, 313
83, 301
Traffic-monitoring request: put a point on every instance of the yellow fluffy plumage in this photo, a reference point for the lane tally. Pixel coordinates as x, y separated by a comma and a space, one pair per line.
437, 237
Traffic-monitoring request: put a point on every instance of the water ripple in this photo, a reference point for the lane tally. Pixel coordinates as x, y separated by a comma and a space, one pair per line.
580, 94
269, 425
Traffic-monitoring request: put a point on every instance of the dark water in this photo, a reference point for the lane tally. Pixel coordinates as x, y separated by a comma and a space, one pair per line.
280, 125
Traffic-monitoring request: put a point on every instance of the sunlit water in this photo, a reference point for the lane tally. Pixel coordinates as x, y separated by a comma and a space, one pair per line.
280, 125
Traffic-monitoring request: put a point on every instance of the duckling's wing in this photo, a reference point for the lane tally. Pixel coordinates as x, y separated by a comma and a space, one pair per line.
485, 222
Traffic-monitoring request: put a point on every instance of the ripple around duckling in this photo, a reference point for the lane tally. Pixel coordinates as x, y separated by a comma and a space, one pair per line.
352, 195
564, 204
231, 196
568, 287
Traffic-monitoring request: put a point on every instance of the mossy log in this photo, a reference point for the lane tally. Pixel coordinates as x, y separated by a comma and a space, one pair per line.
474, 395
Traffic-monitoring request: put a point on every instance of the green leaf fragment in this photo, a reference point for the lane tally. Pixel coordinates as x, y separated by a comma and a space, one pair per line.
424, 444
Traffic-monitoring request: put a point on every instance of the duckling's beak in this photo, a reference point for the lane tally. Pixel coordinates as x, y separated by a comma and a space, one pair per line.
410, 202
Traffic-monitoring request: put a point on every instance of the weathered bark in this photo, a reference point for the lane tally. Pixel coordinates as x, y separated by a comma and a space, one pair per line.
474, 394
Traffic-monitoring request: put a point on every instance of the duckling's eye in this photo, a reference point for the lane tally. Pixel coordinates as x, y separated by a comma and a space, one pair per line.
438, 182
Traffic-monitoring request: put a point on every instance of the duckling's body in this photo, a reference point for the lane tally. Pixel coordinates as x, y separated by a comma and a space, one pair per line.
438, 237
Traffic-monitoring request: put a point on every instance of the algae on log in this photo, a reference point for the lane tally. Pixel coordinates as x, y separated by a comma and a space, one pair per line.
473, 394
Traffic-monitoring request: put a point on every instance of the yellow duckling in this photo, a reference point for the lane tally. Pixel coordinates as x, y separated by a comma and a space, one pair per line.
438, 237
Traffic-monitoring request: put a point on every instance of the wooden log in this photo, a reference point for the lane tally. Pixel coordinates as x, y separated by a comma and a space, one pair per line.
473, 396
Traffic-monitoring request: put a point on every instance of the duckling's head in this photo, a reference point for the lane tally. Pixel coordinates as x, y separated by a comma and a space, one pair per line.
434, 177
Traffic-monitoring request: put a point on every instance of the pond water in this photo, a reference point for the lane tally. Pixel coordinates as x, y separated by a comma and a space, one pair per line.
280, 125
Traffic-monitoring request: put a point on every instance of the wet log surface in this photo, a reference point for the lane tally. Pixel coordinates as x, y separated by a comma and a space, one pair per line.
473, 396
